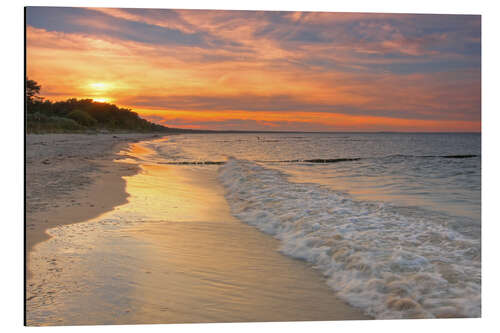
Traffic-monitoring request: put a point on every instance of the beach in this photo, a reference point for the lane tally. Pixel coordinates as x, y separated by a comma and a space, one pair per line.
194, 228
71, 178
136, 241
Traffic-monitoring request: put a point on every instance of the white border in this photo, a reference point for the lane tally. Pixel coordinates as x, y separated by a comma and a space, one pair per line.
12, 160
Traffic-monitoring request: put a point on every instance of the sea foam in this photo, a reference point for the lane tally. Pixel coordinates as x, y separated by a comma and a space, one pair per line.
392, 262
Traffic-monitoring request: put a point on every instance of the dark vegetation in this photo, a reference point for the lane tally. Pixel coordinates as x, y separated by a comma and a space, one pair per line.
81, 115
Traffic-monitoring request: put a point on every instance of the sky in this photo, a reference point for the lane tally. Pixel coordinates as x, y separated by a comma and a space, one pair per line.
257, 70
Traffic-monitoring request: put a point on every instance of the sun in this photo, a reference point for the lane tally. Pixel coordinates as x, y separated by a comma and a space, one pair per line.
98, 90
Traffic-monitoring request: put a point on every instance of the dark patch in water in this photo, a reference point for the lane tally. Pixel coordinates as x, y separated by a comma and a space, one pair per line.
329, 160
195, 163
459, 156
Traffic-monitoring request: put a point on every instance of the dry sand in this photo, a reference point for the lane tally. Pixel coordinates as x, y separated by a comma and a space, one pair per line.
72, 178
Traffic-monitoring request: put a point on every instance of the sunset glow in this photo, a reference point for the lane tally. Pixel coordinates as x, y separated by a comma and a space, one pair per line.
100, 86
247, 70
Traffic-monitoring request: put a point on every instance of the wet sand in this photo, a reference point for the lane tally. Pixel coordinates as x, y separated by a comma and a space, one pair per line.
171, 253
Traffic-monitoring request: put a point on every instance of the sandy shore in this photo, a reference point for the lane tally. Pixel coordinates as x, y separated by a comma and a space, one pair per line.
159, 246
72, 178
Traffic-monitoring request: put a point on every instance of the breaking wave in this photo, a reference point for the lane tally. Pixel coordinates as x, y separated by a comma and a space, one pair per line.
392, 262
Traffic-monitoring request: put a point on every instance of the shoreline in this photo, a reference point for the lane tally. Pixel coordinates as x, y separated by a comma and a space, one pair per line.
71, 178
199, 246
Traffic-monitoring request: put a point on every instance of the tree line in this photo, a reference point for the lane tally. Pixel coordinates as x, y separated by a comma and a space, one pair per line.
80, 115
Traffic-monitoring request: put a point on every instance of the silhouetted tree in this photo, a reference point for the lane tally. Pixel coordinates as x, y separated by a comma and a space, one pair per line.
82, 117
32, 90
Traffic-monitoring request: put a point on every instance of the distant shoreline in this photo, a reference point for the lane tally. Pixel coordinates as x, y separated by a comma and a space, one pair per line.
307, 132
196, 131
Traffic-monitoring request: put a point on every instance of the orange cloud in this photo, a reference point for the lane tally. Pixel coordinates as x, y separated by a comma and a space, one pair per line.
303, 121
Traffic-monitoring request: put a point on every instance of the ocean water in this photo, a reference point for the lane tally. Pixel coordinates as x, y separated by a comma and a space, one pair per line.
393, 221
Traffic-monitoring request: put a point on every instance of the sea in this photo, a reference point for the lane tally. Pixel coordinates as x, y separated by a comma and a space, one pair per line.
391, 222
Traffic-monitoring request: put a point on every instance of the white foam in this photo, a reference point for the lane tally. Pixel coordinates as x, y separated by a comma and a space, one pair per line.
391, 263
